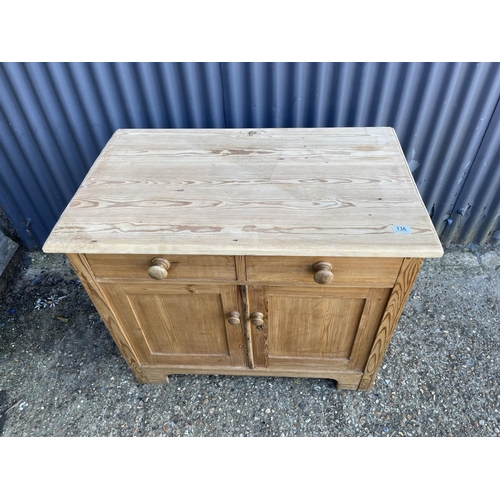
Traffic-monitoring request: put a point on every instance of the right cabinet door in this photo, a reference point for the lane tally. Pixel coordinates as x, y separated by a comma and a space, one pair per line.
314, 328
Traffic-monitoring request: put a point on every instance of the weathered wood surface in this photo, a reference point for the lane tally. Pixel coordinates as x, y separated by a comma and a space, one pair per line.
274, 249
182, 267
345, 379
317, 191
346, 272
246, 325
392, 313
84, 272
180, 324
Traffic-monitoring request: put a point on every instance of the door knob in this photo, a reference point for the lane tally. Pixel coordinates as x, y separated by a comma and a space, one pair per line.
234, 318
257, 319
323, 273
159, 268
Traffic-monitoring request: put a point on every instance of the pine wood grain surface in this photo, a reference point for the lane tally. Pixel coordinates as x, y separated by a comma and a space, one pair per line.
317, 191
397, 300
84, 273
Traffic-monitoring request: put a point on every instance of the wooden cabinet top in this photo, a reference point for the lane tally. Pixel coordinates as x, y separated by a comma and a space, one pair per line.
296, 191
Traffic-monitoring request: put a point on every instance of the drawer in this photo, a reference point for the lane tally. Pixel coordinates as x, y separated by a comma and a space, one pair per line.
347, 271
182, 267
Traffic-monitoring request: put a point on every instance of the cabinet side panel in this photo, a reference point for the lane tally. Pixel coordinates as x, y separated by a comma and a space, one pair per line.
397, 300
84, 273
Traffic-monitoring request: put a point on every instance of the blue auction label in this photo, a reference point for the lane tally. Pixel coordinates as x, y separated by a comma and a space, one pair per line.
401, 229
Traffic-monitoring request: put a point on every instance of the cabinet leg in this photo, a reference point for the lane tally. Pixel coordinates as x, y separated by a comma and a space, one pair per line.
347, 386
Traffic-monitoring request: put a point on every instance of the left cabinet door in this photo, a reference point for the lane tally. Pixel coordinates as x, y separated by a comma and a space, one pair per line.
180, 324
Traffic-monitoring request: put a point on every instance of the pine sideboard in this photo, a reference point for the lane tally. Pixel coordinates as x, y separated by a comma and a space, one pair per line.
271, 252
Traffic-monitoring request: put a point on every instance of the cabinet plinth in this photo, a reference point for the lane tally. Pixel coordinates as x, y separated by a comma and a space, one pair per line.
266, 252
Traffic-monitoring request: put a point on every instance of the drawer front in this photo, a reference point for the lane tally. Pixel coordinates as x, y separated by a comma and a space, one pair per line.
372, 272
182, 267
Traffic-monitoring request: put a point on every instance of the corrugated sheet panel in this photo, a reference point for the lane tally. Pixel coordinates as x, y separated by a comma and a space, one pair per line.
476, 214
56, 117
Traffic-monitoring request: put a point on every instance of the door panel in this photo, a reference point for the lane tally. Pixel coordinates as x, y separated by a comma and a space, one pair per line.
180, 324
306, 326
315, 328
173, 329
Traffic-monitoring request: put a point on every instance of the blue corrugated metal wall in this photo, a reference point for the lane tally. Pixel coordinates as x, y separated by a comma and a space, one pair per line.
56, 117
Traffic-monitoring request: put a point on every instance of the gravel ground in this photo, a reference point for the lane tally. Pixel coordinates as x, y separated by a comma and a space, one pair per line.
61, 374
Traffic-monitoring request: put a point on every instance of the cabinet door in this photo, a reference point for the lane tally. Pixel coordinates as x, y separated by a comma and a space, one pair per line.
315, 328
175, 324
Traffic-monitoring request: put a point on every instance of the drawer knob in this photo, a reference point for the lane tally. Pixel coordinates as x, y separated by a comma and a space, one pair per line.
234, 318
159, 268
257, 319
323, 273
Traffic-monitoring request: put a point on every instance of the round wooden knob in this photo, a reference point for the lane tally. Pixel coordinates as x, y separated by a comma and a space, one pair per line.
323, 273
257, 319
234, 318
159, 268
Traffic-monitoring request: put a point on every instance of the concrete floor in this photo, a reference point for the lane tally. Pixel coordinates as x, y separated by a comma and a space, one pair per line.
61, 374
